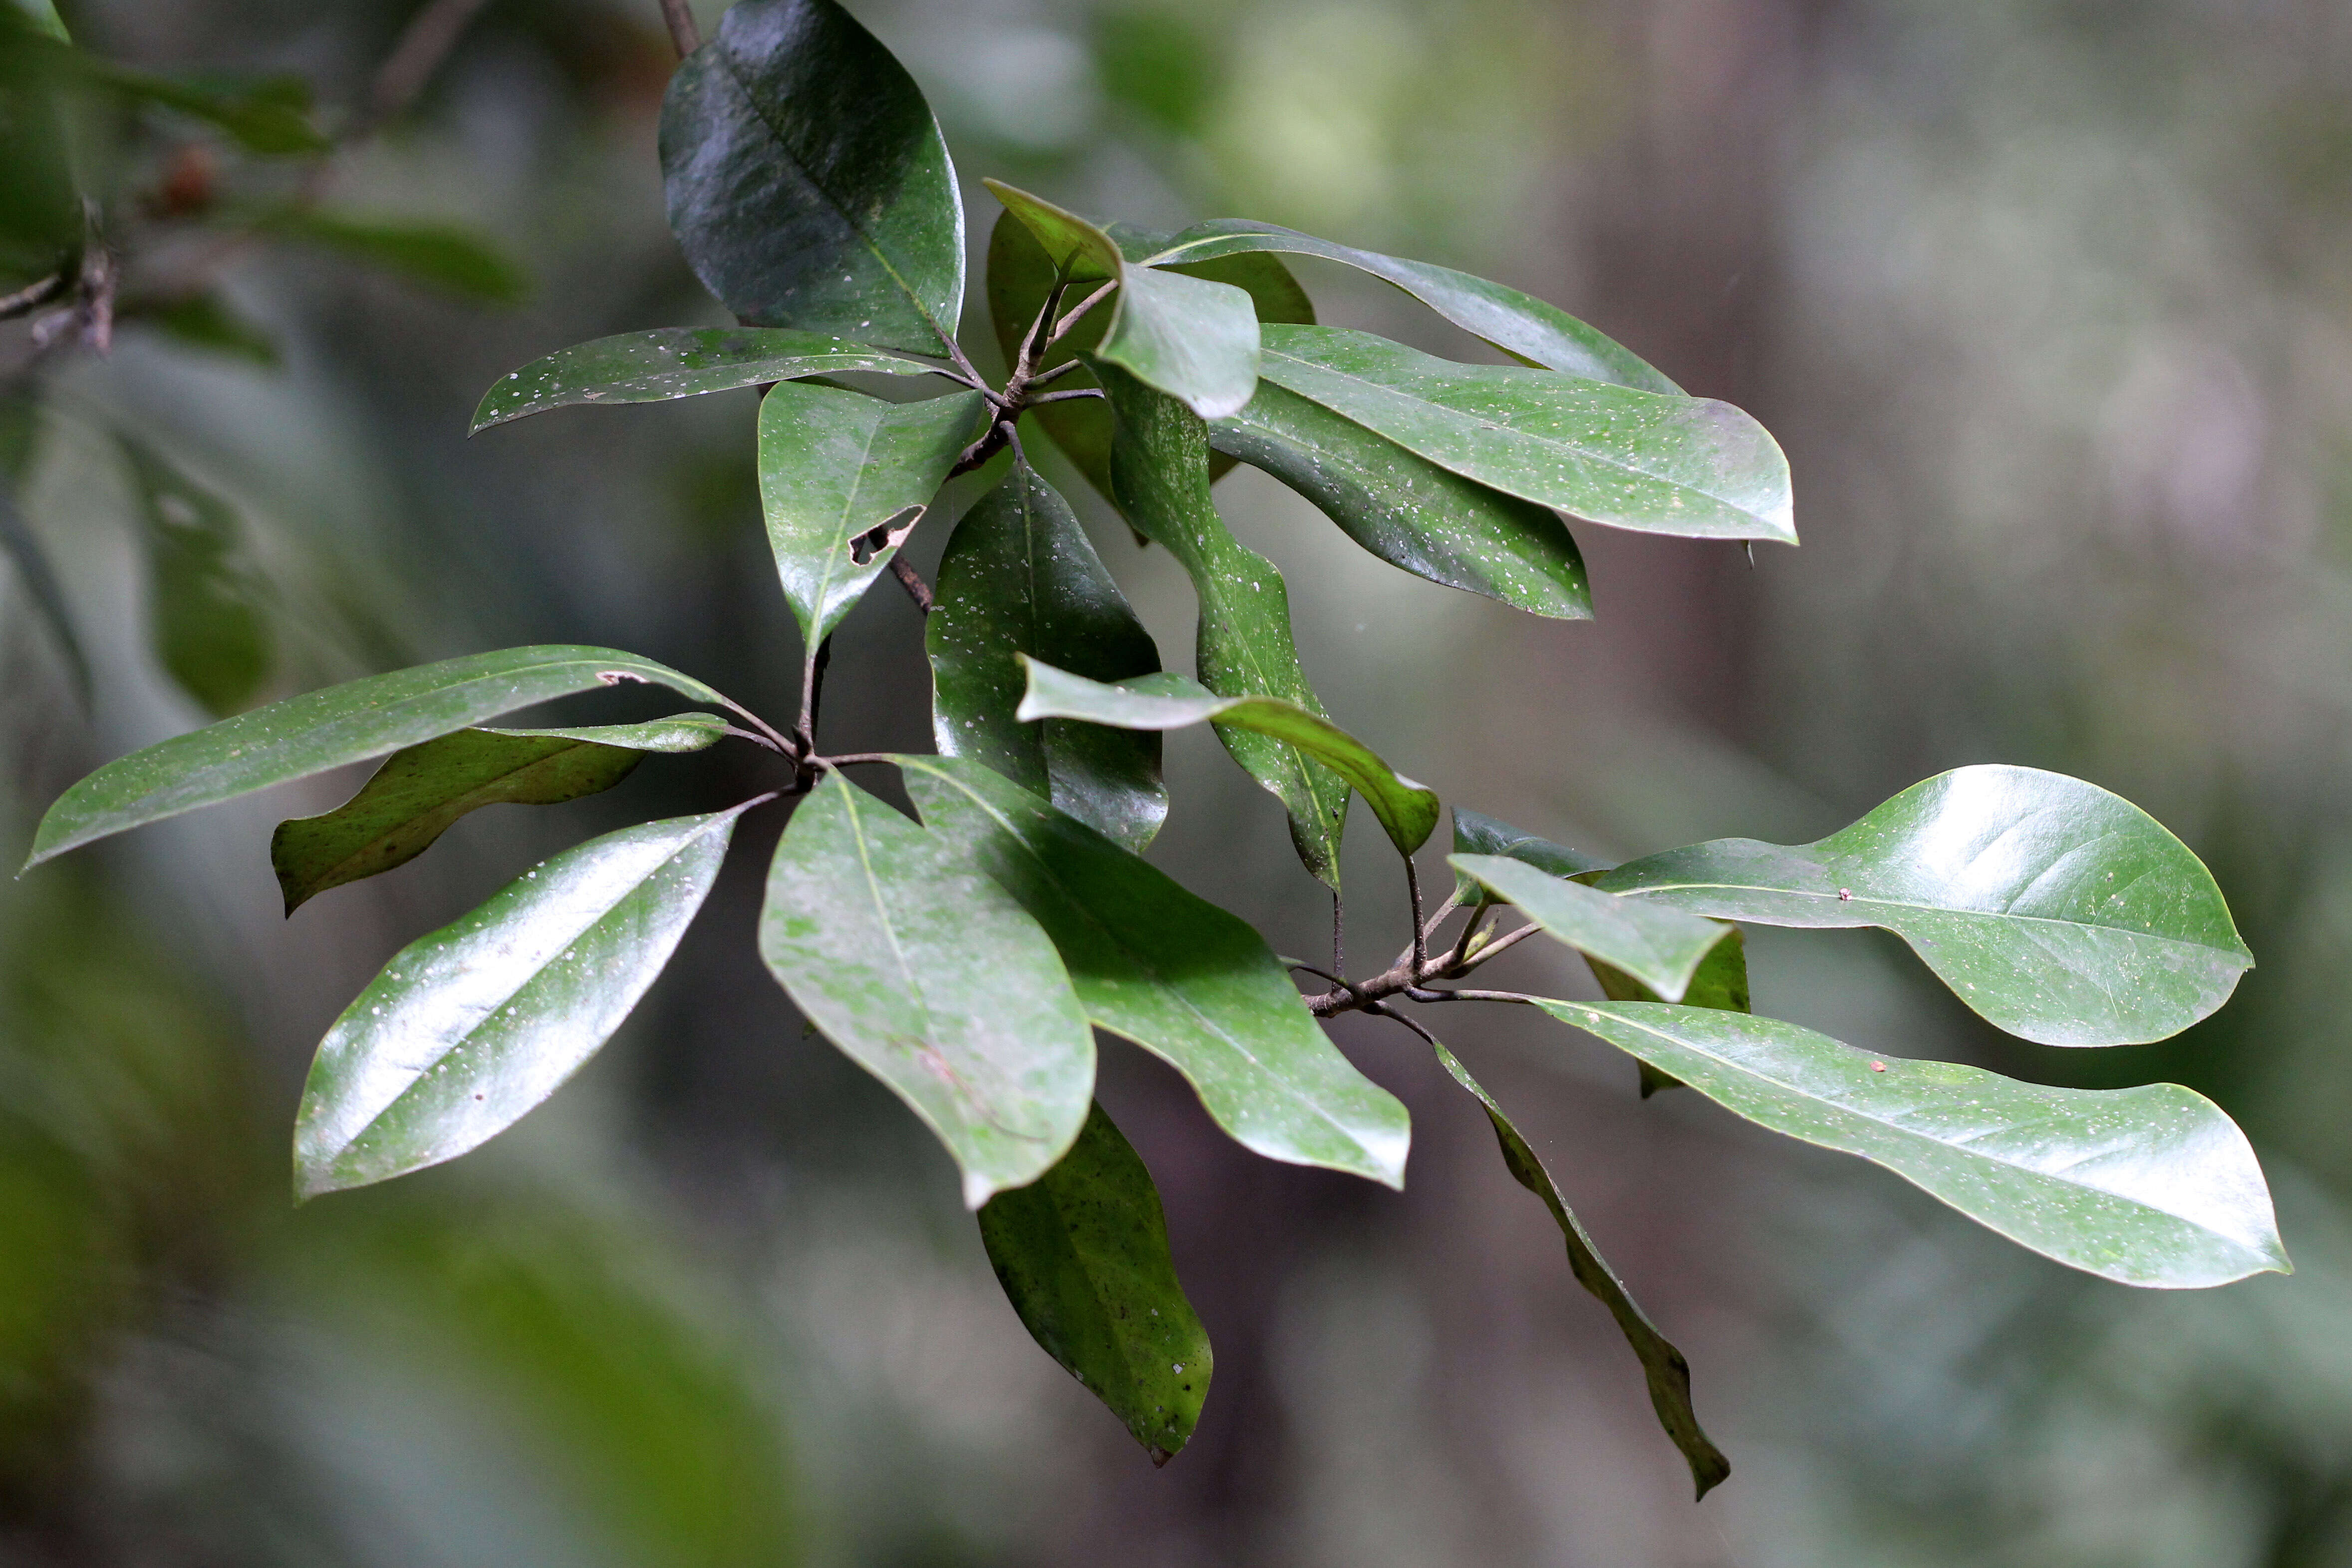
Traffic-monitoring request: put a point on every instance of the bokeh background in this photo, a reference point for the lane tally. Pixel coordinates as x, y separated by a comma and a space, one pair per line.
2050, 302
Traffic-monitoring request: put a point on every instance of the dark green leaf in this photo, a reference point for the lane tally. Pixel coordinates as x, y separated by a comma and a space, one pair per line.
2150, 1186
677, 361
43, 16
18, 417
1408, 511
1021, 578
1475, 833
471, 1027
329, 729
1174, 973
209, 321
843, 478
930, 977
1663, 1366
2059, 911
419, 792
204, 609
1160, 471
1522, 326
1683, 465
1406, 811
441, 255
1664, 955
1082, 1253
807, 182
41, 220
262, 117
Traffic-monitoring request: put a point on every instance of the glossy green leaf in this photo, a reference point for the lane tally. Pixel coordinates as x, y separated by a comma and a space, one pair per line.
2150, 1186
1174, 973
1662, 1366
677, 361
808, 184
1721, 981
1626, 933
1020, 274
441, 255
843, 478
1159, 471
471, 1027
330, 729
1019, 579
2059, 911
1408, 511
1520, 324
1683, 465
418, 792
929, 976
1407, 811
18, 422
1082, 1253
1475, 833
203, 598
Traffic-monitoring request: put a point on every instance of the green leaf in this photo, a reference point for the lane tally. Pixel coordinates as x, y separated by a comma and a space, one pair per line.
1082, 1253
2059, 911
269, 117
842, 480
1520, 324
471, 1027
1192, 339
1160, 471
43, 16
1475, 833
419, 792
677, 361
18, 419
1721, 981
1020, 274
807, 182
203, 612
1664, 955
1407, 811
1683, 465
929, 976
1173, 973
209, 321
1020, 579
1662, 1366
1408, 511
440, 256
2151, 1187
330, 729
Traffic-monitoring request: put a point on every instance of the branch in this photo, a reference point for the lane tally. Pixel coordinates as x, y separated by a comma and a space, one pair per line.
683, 33
33, 296
912, 581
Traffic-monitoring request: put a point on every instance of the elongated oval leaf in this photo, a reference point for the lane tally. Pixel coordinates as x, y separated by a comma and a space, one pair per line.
843, 478
1407, 811
1662, 955
808, 184
2150, 1186
2059, 911
677, 361
205, 598
1407, 511
1520, 324
1174, 973
1683, 465
1475, 833
454, 261
418, 792
329, 729
1020, 578
1664, 1367
471, 1027
19, 427
1082, 1253
1160, 473
930, 977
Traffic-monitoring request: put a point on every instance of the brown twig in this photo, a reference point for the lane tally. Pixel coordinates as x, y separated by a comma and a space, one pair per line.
912, 581
683, 33
424, 44
33, 296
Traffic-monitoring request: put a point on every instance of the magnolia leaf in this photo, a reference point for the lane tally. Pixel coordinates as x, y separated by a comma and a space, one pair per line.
1021, 580
471, 1027
18, 417
1082, 1253
2150, 1186
1179, 976
2059, 911
808, 184
1664, 955
677, 361
1475, 833
929, 976
204, 612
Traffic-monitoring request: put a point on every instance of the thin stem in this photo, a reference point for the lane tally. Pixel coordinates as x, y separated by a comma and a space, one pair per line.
424, 44
1420, 935
1380, 1010
912, 581
33, 296
1319, 974
856, 760
1059, 371
683, 34
1066, 397
1079, 310
1499, 945
1461, 995
1478, 918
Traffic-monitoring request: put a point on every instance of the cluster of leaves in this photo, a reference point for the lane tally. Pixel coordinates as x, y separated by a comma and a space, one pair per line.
966, 959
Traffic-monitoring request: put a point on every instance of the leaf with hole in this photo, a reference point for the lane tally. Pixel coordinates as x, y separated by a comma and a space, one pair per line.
929, 976
2061, 913
1082, 1253
1176, 974
468, 1028
1663, 955
677, 361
